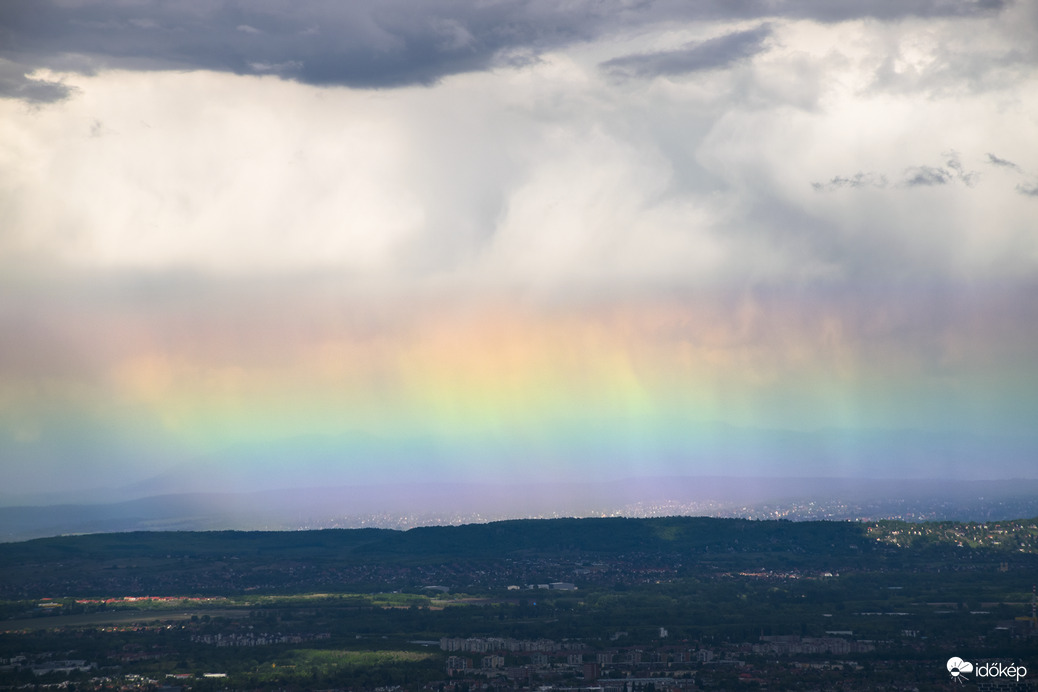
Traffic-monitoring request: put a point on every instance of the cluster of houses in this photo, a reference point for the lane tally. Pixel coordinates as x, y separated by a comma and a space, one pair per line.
255, 638
673, 667
524, 660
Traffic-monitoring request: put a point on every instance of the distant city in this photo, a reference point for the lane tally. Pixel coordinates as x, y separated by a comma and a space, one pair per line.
405, 506
798, 510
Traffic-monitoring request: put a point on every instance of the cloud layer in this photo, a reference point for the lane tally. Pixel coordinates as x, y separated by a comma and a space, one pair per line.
379, 44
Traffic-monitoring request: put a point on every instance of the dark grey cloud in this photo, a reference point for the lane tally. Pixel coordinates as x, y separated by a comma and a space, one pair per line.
860, 179
917, 176
1028, 189
693, 57
1004, 163
15, 83
379, 43
952, 171
954, 163
360, 44
928, 176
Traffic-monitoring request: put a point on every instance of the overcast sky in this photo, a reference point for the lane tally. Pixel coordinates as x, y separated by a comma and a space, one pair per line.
339, 242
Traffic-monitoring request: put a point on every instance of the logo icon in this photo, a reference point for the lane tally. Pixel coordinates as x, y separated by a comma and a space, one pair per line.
956, 666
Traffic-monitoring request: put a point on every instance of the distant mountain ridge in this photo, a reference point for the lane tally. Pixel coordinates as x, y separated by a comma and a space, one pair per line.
497, 555
407, 505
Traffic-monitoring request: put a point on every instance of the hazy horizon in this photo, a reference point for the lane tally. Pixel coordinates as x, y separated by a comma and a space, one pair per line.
277, 245
406, 505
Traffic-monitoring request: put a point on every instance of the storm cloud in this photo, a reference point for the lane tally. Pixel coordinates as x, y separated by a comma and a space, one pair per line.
382, 44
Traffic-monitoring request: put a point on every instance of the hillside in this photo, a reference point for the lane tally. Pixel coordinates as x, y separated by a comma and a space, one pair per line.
495, 555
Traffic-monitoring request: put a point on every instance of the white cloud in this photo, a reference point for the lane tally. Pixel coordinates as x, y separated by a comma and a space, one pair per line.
548, 172
209, 170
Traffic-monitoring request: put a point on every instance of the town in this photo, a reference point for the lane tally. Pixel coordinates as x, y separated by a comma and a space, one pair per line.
660, 604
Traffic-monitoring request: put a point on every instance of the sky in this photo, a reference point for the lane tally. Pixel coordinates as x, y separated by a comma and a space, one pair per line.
248, 245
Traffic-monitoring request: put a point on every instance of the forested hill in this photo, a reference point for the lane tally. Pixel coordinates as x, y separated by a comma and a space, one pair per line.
606, 536
497, 554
